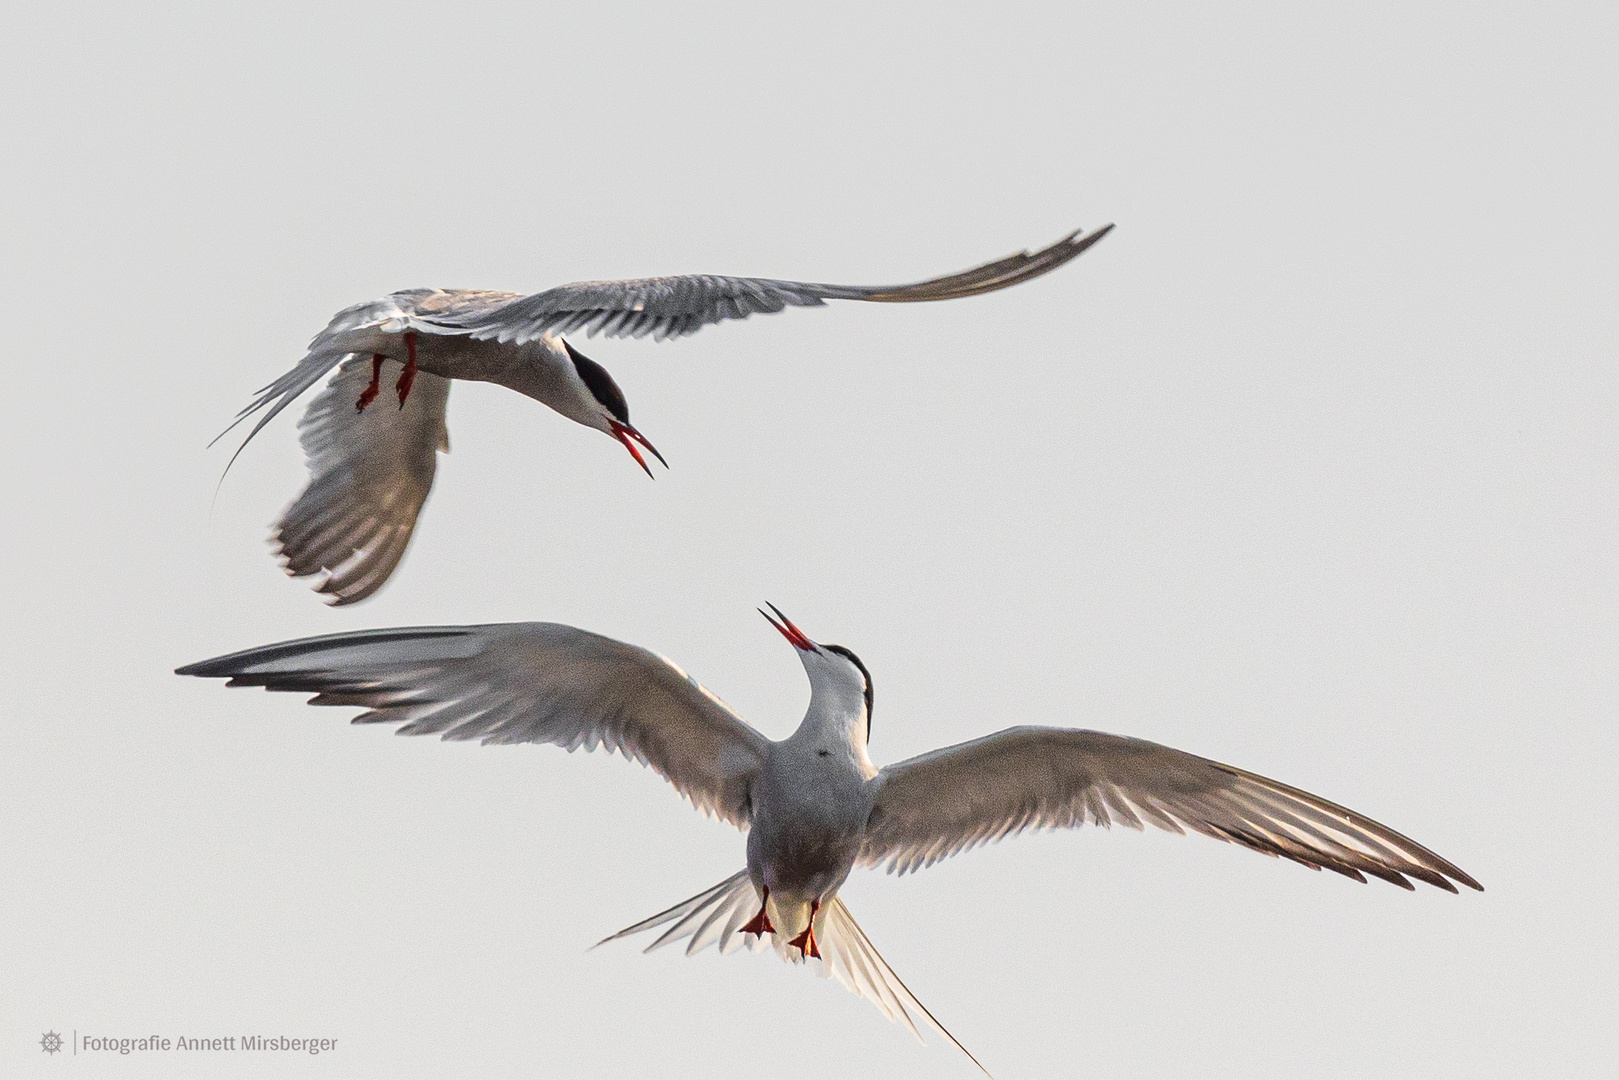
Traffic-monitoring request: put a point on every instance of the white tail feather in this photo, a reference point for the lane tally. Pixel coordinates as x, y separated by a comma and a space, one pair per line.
716, 915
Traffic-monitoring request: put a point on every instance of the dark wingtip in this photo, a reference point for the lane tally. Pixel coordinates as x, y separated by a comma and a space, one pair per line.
1081, 243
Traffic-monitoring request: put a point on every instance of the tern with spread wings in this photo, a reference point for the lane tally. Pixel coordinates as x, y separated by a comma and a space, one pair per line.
371, 468
814, 806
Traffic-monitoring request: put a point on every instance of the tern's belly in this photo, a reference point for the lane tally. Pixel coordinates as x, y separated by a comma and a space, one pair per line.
804, 862
805, 846
464, 358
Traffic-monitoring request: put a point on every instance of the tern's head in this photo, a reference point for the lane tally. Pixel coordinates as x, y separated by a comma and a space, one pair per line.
837, 677
600, 404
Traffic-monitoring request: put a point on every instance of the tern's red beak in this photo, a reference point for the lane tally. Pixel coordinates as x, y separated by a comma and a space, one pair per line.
788, 630
624, 433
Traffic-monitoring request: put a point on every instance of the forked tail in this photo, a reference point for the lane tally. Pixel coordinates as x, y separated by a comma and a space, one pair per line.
715, 917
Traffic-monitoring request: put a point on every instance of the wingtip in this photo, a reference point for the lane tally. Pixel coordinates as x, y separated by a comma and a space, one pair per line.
1081, 241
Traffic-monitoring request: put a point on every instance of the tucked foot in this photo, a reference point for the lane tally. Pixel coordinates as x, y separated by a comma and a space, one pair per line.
805, 942
760, 923
407, 378
369, 394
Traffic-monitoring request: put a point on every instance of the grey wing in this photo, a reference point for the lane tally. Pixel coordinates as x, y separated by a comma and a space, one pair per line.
369, 473
373, 327
674, 306
938, 804
523, 683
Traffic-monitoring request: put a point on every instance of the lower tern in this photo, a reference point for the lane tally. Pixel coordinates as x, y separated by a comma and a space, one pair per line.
371, 468
813, 805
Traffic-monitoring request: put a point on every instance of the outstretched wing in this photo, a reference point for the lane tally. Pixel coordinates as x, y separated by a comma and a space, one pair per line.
674, 306
523, 683
369, 473
935, 805
375, 326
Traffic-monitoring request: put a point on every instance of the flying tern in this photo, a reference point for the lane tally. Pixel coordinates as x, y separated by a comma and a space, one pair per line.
371, 468
813, 805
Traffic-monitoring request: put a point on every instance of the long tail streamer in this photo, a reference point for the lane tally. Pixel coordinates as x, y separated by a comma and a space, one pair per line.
716, 915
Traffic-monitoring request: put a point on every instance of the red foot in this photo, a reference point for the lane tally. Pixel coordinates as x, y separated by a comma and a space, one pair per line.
407, 378
760, 923
369, 394
806, 941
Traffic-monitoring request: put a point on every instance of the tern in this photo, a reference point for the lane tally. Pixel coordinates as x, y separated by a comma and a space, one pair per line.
813, 805
370, 469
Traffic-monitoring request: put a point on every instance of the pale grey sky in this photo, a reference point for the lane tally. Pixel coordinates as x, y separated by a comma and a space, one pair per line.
1311, 467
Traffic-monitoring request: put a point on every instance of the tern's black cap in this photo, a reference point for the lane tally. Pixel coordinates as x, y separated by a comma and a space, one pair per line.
855, 660
601, 385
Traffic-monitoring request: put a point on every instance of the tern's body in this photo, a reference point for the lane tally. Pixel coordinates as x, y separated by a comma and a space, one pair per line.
540, 367
814, 805
537, 369
811, 802
371, 466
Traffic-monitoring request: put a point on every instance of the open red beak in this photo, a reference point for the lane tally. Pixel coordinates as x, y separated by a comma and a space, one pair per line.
788, 630
625, 434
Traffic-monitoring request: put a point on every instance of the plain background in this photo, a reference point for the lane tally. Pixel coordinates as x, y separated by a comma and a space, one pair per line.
1310, 467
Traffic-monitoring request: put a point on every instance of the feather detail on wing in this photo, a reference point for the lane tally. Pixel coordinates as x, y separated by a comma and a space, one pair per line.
523, 683
375, 326
369, 474
715, 917
941, 803
667, 307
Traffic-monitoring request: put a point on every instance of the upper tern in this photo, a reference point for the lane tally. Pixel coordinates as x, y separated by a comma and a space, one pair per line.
370, 469
814, 806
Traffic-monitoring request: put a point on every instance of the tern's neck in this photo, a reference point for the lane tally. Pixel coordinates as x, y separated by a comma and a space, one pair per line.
542, 370
835, 723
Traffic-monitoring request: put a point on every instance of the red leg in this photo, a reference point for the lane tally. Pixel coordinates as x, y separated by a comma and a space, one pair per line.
760, 923
806, 940
407, 378
370, 393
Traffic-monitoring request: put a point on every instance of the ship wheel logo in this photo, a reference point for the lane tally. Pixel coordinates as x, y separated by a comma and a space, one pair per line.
51, 1042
